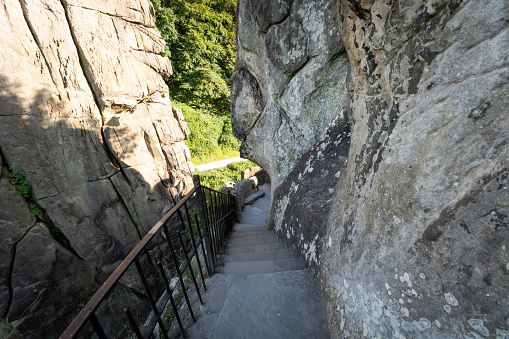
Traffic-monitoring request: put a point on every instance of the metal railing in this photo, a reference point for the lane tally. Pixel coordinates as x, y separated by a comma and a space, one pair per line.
202, 233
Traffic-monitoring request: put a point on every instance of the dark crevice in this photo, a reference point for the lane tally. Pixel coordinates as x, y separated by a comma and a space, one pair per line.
38, 43
436, 229
112, 15
288, 120
2, 161
9, 281
425, 24
57, 235
137, 293
88, 77
104, 177
121, 198
11, 269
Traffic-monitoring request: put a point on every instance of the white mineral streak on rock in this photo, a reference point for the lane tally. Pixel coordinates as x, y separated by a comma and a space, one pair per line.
451, 299
478, 325
427, 144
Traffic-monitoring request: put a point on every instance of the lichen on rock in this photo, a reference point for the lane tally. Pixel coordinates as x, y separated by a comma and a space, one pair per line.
410, 208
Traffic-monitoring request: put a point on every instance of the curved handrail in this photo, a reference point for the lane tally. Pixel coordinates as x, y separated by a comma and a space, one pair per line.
206, 213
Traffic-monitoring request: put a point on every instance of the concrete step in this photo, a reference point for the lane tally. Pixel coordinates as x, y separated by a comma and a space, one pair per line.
252, 243
258, 256
254, 214
251, 238
278, 305
259, 248
245, 269
248, 227
243, 234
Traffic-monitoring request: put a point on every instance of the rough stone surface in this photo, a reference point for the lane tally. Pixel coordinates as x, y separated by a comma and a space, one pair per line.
301, 204
86, 116
285, 67
412, 239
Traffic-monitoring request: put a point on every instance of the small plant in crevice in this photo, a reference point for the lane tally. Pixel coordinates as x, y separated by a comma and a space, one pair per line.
23, 187
34, 209
55, 231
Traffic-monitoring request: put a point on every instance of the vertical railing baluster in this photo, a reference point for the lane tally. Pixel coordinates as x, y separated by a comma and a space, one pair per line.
183, 245
97, 327
218, 216
150, 298
174, 306
221, 214
134, 326
201, 240
177, 268
213, 227
189, 222
205, 222
216, 219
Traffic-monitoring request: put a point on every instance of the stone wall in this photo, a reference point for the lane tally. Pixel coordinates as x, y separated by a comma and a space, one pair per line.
85, 115
405, 211
289, 80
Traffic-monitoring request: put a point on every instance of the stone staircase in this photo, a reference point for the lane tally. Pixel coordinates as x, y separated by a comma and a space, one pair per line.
263, 290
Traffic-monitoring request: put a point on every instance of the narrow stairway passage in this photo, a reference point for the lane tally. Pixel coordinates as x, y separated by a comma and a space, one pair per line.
263, 290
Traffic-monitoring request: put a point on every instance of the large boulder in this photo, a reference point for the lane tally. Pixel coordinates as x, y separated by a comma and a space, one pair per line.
85, 116
289, 83
406, 215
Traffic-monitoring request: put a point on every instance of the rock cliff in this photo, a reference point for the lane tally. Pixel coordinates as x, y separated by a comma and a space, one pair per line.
289, 80
402, 203
85, 116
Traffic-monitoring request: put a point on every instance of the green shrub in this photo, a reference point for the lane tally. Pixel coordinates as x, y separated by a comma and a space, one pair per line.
200, 42
216, 178
211, 136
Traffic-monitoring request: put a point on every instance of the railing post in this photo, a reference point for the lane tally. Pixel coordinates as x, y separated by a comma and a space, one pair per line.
204, 222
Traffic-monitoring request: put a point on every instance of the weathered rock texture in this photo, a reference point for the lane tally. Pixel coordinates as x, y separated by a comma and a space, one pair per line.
289, 83
407, 219
86, 116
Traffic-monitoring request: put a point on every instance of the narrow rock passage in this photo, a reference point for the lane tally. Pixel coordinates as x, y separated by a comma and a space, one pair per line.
262, 291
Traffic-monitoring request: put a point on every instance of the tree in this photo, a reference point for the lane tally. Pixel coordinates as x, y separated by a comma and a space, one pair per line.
200, 38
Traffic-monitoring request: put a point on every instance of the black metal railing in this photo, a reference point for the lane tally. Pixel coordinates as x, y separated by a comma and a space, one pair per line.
206, 216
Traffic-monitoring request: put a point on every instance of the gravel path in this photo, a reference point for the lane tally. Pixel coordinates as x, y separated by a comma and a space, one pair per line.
217, 164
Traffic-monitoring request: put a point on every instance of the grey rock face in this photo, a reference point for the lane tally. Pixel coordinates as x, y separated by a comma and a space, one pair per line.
287, 45
246, 110
86, 116
411, 239
269, 12
286, 53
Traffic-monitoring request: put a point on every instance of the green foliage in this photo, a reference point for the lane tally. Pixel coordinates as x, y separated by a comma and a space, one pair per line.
216, 178
34, 209
165, 24
170, 314
211, 135
194, 226
56, 231
23, 187
200, 39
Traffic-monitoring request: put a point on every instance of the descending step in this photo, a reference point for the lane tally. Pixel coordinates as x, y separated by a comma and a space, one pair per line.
263, 290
